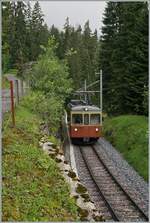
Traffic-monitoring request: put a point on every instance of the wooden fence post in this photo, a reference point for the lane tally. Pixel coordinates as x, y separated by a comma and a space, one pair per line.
21, 84
12, 103
24, 88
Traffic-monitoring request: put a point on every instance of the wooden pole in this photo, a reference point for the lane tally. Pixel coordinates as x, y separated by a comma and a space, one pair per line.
101, 95
21, 85
12, 103
85, 96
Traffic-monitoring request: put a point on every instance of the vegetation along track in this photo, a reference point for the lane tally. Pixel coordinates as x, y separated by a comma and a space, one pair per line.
117, 202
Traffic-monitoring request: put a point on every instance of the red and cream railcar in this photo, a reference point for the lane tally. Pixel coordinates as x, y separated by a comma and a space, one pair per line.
84, 123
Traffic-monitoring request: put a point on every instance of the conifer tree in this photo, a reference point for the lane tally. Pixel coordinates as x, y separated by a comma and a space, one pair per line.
6, 15
67, 33
20, 34
29, 31
59, 36
124, 53
39, 31
106, 49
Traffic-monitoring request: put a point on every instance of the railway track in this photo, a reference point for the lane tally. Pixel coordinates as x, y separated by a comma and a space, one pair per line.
114, 202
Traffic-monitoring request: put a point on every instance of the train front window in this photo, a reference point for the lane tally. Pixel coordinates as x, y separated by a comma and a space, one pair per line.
77, 119
95, 119
86, 119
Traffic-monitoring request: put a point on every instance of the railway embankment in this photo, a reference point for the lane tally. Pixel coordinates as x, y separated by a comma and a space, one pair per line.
129, 135
126, 194
33, 187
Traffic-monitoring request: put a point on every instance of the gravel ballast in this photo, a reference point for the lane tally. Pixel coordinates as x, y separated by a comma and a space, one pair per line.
130, 180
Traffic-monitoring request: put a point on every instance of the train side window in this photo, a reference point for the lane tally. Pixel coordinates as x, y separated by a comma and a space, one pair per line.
95, 119
86, 119
77, 119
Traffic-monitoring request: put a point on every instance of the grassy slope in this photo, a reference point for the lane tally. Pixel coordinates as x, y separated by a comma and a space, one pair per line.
33, 188
129, 134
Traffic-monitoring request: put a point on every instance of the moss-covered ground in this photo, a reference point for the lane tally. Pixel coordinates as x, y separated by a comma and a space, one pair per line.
129, 134
33, 188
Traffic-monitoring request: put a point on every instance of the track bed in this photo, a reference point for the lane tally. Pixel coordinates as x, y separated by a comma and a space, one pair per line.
106, 192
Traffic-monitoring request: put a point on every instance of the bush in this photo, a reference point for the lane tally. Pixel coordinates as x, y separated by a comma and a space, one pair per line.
50, 85
49, 109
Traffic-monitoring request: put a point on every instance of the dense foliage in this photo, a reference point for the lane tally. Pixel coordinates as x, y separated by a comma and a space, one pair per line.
124, 58
23, 31
80, 48
121, 51
51, 86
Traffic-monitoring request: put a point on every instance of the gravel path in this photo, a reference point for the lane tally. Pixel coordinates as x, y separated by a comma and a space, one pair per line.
131, 181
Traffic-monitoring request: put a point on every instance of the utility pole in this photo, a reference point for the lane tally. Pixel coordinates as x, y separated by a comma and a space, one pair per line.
101, 94
85, 95
12, 102
85, 91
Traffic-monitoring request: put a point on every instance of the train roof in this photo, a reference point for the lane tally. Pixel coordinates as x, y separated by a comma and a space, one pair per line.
76, 103
85, 108
80, 105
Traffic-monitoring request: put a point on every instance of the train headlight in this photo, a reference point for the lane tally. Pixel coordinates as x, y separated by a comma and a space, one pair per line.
96, 129
75, 129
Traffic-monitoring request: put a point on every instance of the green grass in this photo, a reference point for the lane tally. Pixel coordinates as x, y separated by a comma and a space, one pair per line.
33, 188
129, 134
12, 71
5, 83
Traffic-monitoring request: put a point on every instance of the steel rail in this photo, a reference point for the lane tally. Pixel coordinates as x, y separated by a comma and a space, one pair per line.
125, 192
113, 214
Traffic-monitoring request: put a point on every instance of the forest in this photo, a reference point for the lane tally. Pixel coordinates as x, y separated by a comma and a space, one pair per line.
121, 51
55, 63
